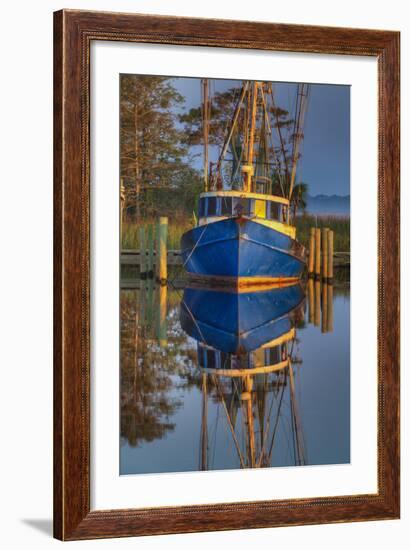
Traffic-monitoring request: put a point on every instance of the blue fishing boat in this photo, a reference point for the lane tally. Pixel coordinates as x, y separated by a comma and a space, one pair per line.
245, 233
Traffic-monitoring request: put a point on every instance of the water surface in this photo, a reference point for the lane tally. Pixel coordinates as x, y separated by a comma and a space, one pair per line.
186, 404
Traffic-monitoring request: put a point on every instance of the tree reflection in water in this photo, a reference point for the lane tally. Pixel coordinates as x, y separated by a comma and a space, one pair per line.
252, 381
149, 372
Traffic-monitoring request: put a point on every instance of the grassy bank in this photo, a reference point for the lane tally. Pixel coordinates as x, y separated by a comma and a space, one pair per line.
176, 228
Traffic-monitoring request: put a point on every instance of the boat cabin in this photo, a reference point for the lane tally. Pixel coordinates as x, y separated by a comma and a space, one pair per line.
225, 204
264, 357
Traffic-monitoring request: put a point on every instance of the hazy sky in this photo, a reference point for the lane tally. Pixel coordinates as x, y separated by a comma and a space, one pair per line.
325, 162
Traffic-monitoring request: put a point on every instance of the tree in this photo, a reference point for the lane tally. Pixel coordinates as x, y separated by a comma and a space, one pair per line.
280, 146
299, 197
152, 153
222, 107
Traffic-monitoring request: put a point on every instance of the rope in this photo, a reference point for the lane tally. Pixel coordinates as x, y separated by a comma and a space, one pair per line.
196, 244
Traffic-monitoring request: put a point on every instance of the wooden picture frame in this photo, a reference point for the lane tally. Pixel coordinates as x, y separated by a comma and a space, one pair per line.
73, 33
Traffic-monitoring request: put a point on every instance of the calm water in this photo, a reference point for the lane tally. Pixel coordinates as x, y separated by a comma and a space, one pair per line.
196, 396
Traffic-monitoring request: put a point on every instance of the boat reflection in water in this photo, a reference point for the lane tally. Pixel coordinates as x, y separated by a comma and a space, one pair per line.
246, 347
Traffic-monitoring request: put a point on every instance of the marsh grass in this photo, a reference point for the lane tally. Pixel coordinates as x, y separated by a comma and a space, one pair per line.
339, 225
178, 226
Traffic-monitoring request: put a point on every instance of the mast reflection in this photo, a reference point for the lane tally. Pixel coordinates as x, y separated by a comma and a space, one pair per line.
246, 347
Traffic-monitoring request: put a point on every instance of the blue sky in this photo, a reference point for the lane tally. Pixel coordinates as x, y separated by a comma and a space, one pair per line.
325, 161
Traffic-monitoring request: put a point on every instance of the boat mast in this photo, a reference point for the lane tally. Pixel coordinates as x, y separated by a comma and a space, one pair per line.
204, 433
206, 105
248, 168
233, 124
247, 398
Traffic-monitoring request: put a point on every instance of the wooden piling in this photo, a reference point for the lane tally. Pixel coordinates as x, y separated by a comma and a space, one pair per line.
317, 252
162, 316
150, 307
162, 232
317, 303
311, 300
330, 257
330, 308
325, 252
143, 253
324, 306
311, 266
150, 246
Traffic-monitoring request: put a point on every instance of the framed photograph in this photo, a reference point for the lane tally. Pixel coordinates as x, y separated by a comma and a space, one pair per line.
226, 275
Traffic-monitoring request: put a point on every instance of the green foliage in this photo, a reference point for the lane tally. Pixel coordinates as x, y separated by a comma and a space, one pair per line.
299, 197
153, 155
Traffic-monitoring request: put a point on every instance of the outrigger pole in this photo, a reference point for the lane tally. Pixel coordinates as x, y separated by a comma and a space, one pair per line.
206, 113
233, 124
248, 168
301, 107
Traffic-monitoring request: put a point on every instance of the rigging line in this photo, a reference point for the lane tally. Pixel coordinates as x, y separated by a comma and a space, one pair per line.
196, 244
194, 320
234, 120
276, 423
190, 254
234, 99
274, 147
215, 433
282, 144
294, 427
297, 113
307, 103
298, 429
275, 159
298, 138
216, 382
273, 400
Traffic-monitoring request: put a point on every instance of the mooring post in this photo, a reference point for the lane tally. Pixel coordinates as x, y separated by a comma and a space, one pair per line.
162, 316
143, 253
311, 252
150, 269
330, 257
311, 299
317, 302
324, 306
162, 250
330, 308
325, 251
317, 252
150, 307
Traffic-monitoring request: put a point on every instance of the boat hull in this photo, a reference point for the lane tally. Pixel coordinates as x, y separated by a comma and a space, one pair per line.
242, 250
239, 322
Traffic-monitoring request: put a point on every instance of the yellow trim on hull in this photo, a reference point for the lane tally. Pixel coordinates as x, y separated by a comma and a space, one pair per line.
247, 372
283, 228
242, 283
290, 335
